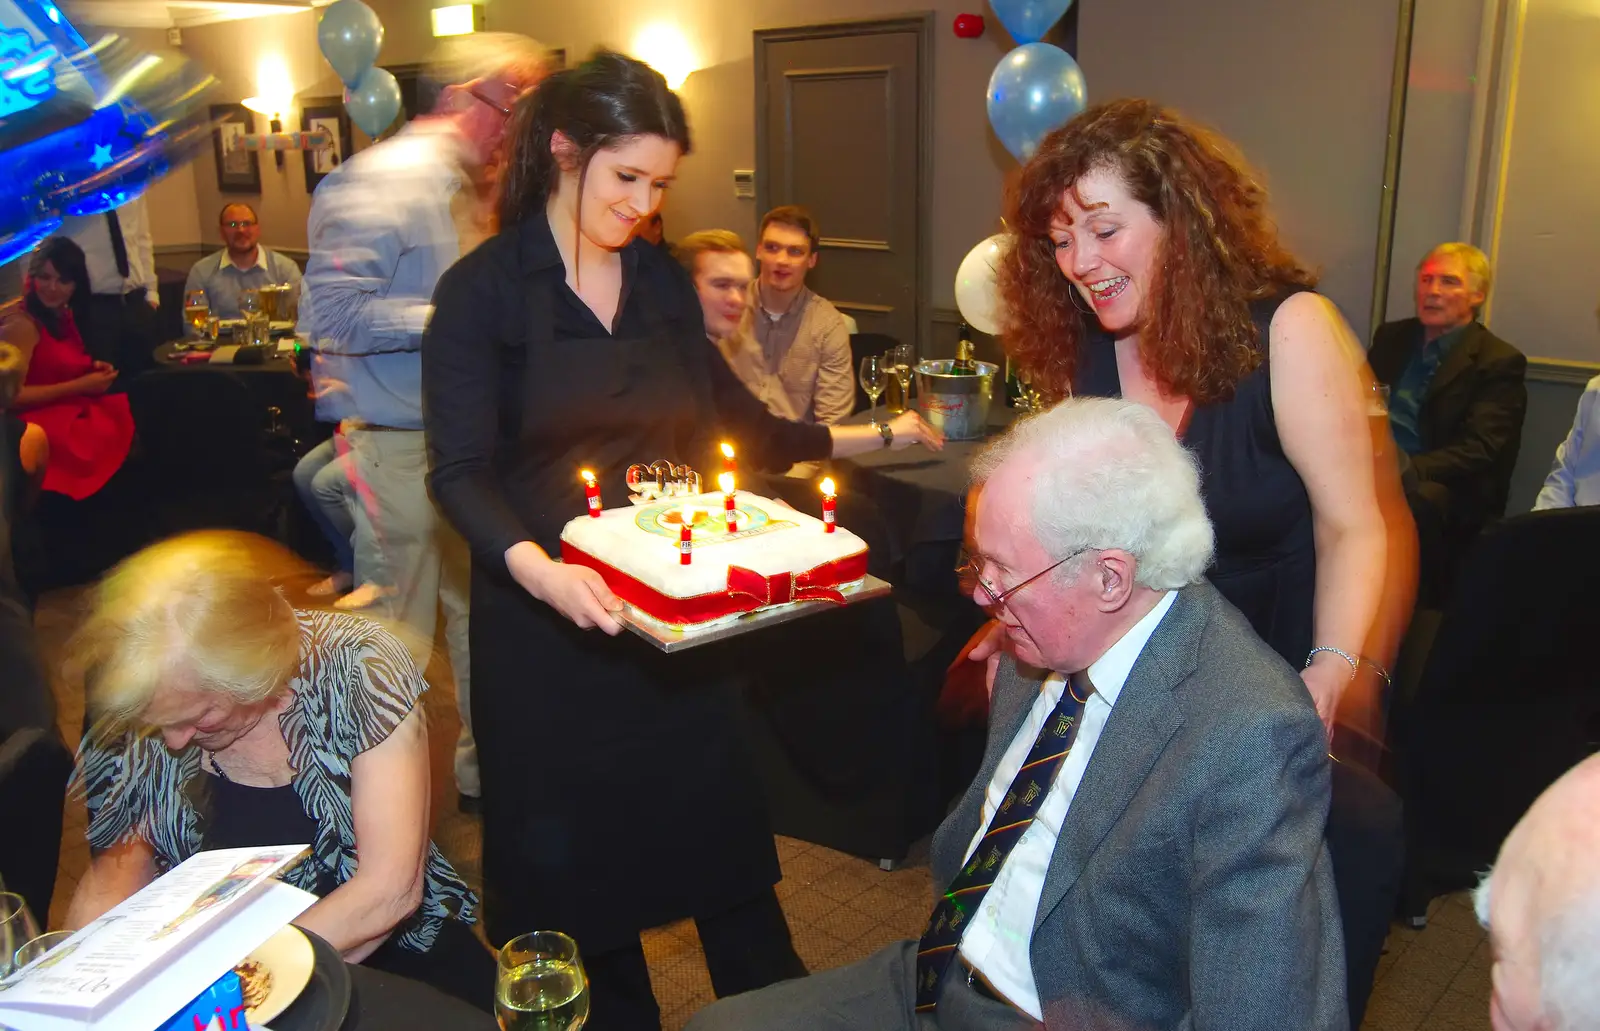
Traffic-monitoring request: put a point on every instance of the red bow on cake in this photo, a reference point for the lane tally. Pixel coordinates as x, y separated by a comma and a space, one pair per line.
815, 584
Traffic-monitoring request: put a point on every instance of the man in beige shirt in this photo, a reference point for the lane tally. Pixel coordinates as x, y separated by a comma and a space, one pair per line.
796, 356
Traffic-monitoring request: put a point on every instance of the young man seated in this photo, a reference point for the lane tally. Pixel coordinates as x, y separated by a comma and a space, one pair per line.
244, 264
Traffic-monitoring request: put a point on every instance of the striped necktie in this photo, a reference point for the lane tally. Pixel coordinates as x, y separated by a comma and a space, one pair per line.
1006, 827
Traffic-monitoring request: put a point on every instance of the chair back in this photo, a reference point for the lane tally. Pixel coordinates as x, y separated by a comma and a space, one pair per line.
861, 345
1507, 700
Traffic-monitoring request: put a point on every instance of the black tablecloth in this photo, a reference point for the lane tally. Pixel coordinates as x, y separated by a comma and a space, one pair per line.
274, 384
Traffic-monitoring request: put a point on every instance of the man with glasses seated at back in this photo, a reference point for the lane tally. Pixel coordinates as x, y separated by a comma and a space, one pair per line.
243, 264
1142, 847
384, 226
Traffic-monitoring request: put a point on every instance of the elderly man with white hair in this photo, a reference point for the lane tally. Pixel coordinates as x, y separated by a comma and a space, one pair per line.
1142, 847
1541, 906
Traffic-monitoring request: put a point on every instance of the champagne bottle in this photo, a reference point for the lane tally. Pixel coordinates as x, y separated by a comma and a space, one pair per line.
964, 365
1013, 385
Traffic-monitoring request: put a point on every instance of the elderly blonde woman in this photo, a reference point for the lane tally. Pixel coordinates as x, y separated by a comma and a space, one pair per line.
225, 717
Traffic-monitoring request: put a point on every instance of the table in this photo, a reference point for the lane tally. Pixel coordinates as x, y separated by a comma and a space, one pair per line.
275, 383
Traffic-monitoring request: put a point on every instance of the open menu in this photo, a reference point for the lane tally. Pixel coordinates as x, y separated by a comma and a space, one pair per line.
139, 964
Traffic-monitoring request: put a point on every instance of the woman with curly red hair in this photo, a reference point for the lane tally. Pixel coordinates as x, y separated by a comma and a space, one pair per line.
1144, 265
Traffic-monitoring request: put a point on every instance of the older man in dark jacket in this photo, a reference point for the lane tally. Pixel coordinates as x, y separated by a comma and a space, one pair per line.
1456, 403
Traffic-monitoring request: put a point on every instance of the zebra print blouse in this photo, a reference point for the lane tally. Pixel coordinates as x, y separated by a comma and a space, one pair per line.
356, 683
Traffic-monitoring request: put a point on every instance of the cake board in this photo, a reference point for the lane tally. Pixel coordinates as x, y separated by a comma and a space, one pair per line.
670, 640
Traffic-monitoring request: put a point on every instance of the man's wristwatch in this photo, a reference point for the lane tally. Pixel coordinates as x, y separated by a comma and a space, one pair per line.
886, 433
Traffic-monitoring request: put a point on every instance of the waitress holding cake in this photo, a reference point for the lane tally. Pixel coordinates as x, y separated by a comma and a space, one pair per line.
616, 796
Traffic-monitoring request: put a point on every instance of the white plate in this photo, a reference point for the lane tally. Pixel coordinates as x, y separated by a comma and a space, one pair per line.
288, 957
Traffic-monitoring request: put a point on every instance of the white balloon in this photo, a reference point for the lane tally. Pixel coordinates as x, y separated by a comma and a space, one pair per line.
976, 295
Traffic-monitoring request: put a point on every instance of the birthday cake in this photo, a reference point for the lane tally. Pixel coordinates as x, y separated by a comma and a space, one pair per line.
772, 556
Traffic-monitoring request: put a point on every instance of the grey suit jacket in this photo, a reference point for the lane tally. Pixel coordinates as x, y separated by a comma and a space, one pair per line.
1190, 888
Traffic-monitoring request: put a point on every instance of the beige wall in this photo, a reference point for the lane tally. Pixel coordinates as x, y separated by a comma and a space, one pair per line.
1302, 87
1433, 162
968, 167
1548, 267
228, 50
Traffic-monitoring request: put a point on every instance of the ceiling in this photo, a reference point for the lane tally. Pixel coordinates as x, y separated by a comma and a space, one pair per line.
167, 14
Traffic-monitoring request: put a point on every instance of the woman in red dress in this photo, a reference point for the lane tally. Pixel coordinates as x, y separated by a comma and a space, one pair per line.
64, 390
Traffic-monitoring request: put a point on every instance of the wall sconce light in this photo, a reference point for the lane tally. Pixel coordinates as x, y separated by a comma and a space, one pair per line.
457, 20
274, 94
664, 47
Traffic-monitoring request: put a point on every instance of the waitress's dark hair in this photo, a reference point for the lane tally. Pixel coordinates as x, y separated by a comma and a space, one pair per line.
606, 100
70, 264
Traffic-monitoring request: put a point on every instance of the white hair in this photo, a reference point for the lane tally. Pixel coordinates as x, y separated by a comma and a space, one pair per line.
1110, 474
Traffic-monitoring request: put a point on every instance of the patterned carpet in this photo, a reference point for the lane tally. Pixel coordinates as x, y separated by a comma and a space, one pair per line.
842, 908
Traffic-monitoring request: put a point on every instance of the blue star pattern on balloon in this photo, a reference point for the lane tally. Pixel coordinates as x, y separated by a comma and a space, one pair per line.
84, 129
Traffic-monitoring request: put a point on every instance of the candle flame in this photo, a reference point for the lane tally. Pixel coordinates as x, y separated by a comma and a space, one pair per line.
827, 485
588, 477
725, 481
727, 450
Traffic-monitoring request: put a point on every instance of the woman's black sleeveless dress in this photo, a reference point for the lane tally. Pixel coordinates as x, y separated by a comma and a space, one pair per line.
1266, 561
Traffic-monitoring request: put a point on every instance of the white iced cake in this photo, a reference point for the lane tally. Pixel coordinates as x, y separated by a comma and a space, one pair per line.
774, 555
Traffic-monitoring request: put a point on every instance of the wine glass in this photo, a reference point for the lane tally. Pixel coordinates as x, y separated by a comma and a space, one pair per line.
17, 928
541, 985
39, 946
196, 310
872, 373
905, 360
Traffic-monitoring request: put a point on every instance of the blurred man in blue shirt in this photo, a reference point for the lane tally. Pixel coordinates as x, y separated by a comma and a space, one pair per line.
384, 226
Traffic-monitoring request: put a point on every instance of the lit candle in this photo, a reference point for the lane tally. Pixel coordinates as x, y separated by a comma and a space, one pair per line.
591, 493
829, 502
728, 464
730, 512
685, 542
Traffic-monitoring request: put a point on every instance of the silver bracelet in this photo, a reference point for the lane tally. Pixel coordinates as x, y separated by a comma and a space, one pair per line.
1355, 663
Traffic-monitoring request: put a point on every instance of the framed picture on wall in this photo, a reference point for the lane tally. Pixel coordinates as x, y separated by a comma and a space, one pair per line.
238, 170
328, 115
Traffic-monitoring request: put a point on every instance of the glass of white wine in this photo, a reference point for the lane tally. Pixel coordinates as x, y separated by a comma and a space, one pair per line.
541, 985
905, 360
872, 374
196, 309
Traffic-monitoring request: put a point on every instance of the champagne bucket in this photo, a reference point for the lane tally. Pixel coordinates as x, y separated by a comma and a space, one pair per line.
955, 405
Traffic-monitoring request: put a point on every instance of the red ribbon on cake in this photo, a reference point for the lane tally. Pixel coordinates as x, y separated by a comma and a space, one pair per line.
746, 591
815, 584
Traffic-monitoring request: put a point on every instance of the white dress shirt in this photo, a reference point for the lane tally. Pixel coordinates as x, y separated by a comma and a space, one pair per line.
1575, 477
93, 234
996, 941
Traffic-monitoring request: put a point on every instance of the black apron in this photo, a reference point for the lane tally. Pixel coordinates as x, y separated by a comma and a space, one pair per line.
617, 795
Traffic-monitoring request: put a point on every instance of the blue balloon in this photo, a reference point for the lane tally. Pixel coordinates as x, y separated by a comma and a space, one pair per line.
84, 129
1029, 20
1034, 89
350, 36
373, 102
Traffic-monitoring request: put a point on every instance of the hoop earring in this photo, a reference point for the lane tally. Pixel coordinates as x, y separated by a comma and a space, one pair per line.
1073, 291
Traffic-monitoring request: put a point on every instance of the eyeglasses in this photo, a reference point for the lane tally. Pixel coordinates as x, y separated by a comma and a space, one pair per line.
238, 225
476, 94
970, 575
